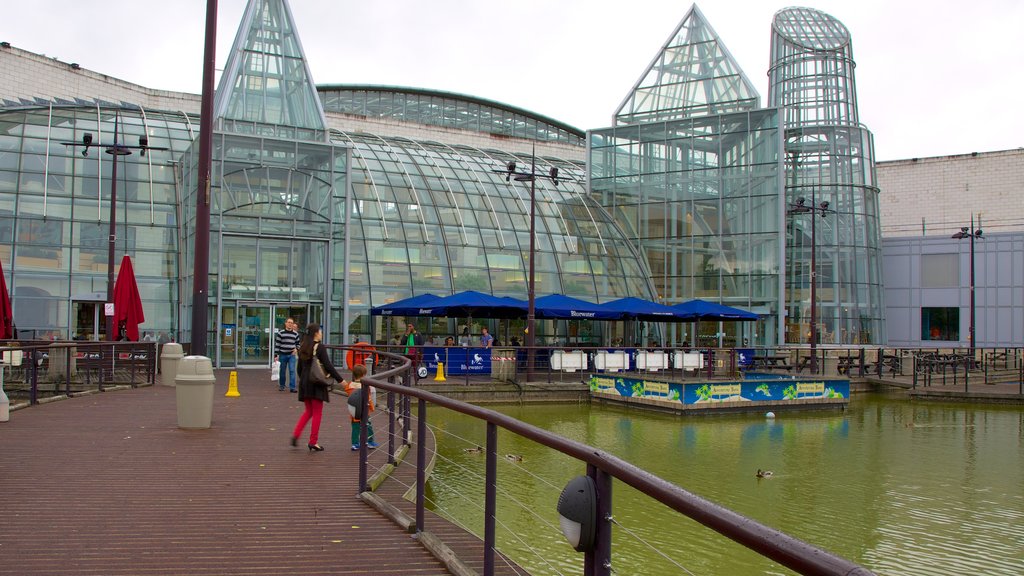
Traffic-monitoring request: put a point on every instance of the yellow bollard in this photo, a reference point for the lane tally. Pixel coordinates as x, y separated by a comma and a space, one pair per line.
233, 385
440, 373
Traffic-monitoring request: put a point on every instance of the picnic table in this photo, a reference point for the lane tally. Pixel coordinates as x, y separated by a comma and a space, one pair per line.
844, 364
891, 361
771, 362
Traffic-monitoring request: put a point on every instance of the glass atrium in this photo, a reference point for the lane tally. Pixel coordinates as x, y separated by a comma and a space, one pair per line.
309, 222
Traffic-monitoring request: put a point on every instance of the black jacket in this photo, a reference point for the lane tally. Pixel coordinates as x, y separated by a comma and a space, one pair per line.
308, 390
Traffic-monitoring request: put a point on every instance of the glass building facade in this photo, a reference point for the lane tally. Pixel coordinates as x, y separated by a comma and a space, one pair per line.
693, 173
829, 157
701, 177
307, 221
313, 219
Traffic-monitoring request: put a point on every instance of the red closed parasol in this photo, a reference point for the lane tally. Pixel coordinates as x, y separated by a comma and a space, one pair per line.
127, 302
6, 316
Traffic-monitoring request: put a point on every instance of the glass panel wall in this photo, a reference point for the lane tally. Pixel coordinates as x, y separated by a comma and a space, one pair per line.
700, 198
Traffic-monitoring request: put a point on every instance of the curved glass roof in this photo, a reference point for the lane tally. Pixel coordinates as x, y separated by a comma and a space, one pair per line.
443, 218
447, 109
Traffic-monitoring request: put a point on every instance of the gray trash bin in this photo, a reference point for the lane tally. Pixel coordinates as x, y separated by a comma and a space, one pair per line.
170, 355
194, 383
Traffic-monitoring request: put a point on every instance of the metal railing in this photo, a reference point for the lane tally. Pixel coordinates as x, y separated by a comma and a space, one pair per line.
70, 367
911, 367
791, 552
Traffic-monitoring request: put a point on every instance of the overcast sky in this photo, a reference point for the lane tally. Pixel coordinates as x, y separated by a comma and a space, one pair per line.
933, 78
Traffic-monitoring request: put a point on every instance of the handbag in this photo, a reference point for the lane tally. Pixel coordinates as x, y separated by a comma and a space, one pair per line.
317, 375
275, 371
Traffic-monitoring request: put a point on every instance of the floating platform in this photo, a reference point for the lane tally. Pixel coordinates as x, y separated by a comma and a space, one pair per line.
755, 392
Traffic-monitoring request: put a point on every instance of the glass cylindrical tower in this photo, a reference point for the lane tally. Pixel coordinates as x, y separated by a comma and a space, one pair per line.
829, 158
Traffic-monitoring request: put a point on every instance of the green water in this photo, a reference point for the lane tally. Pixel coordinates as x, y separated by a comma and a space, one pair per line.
899, 487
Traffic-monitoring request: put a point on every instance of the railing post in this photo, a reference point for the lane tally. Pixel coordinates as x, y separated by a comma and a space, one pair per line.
913, 385
860, 362
407, 409
364, 410
391, 423
421, 460
598, 562
67, 371
490, 498
967, 372
33, 391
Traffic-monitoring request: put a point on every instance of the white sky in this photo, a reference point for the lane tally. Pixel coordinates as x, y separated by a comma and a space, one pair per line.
933, 78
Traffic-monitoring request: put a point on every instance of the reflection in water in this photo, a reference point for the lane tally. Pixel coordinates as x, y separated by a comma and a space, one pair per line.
899, 487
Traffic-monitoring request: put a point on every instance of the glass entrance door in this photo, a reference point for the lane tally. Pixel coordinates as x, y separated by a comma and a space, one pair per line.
251, 329
89, 322
254, 339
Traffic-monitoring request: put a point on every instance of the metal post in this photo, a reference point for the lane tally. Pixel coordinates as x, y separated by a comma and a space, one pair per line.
201, 251
114, 151
490, 498
598, 562
814, 284
531, 336
391, 423
364, 410
972, 289
421, 461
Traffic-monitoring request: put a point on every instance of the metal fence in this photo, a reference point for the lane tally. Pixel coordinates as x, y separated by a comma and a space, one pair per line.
36, 369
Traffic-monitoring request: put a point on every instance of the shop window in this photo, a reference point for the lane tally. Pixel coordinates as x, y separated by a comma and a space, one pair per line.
940, 324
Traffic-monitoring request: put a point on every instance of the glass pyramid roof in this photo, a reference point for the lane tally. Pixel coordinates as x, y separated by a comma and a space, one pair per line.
266, 79
693, 75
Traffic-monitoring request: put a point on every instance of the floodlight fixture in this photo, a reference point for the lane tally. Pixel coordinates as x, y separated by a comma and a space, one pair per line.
577, 513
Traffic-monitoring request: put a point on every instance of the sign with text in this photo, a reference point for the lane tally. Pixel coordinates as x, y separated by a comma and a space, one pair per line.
458, 360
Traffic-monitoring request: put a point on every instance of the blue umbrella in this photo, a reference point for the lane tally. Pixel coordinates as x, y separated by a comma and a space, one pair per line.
639, 309
565, 307
704, 310
473, 303
421, 305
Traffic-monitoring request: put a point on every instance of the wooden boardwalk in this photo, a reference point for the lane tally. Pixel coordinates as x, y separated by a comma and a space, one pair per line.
108, 484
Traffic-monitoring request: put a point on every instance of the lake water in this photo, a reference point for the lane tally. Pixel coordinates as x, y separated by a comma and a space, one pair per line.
900, 487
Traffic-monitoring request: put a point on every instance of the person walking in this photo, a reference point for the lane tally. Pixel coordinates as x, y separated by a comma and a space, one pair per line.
285, 343
358, 371
311, 394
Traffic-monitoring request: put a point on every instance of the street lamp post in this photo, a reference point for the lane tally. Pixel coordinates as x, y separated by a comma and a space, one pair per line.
115, 150
531, 177
970, 233
800, 207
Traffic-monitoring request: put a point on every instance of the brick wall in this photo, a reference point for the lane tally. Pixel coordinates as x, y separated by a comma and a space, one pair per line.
28, 75
936, 196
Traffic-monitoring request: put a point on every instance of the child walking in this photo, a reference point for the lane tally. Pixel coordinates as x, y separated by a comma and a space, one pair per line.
358, 371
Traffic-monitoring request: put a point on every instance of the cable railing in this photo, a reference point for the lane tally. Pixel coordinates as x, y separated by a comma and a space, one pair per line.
602, 468
36, 369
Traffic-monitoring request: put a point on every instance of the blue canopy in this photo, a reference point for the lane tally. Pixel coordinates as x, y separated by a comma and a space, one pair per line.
639, 309
421, 305
473, 303
704, 310
565, 307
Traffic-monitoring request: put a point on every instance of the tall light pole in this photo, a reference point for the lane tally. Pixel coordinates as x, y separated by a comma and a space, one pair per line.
800, 207
531, 177
201, 248
970, 233
115, 150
